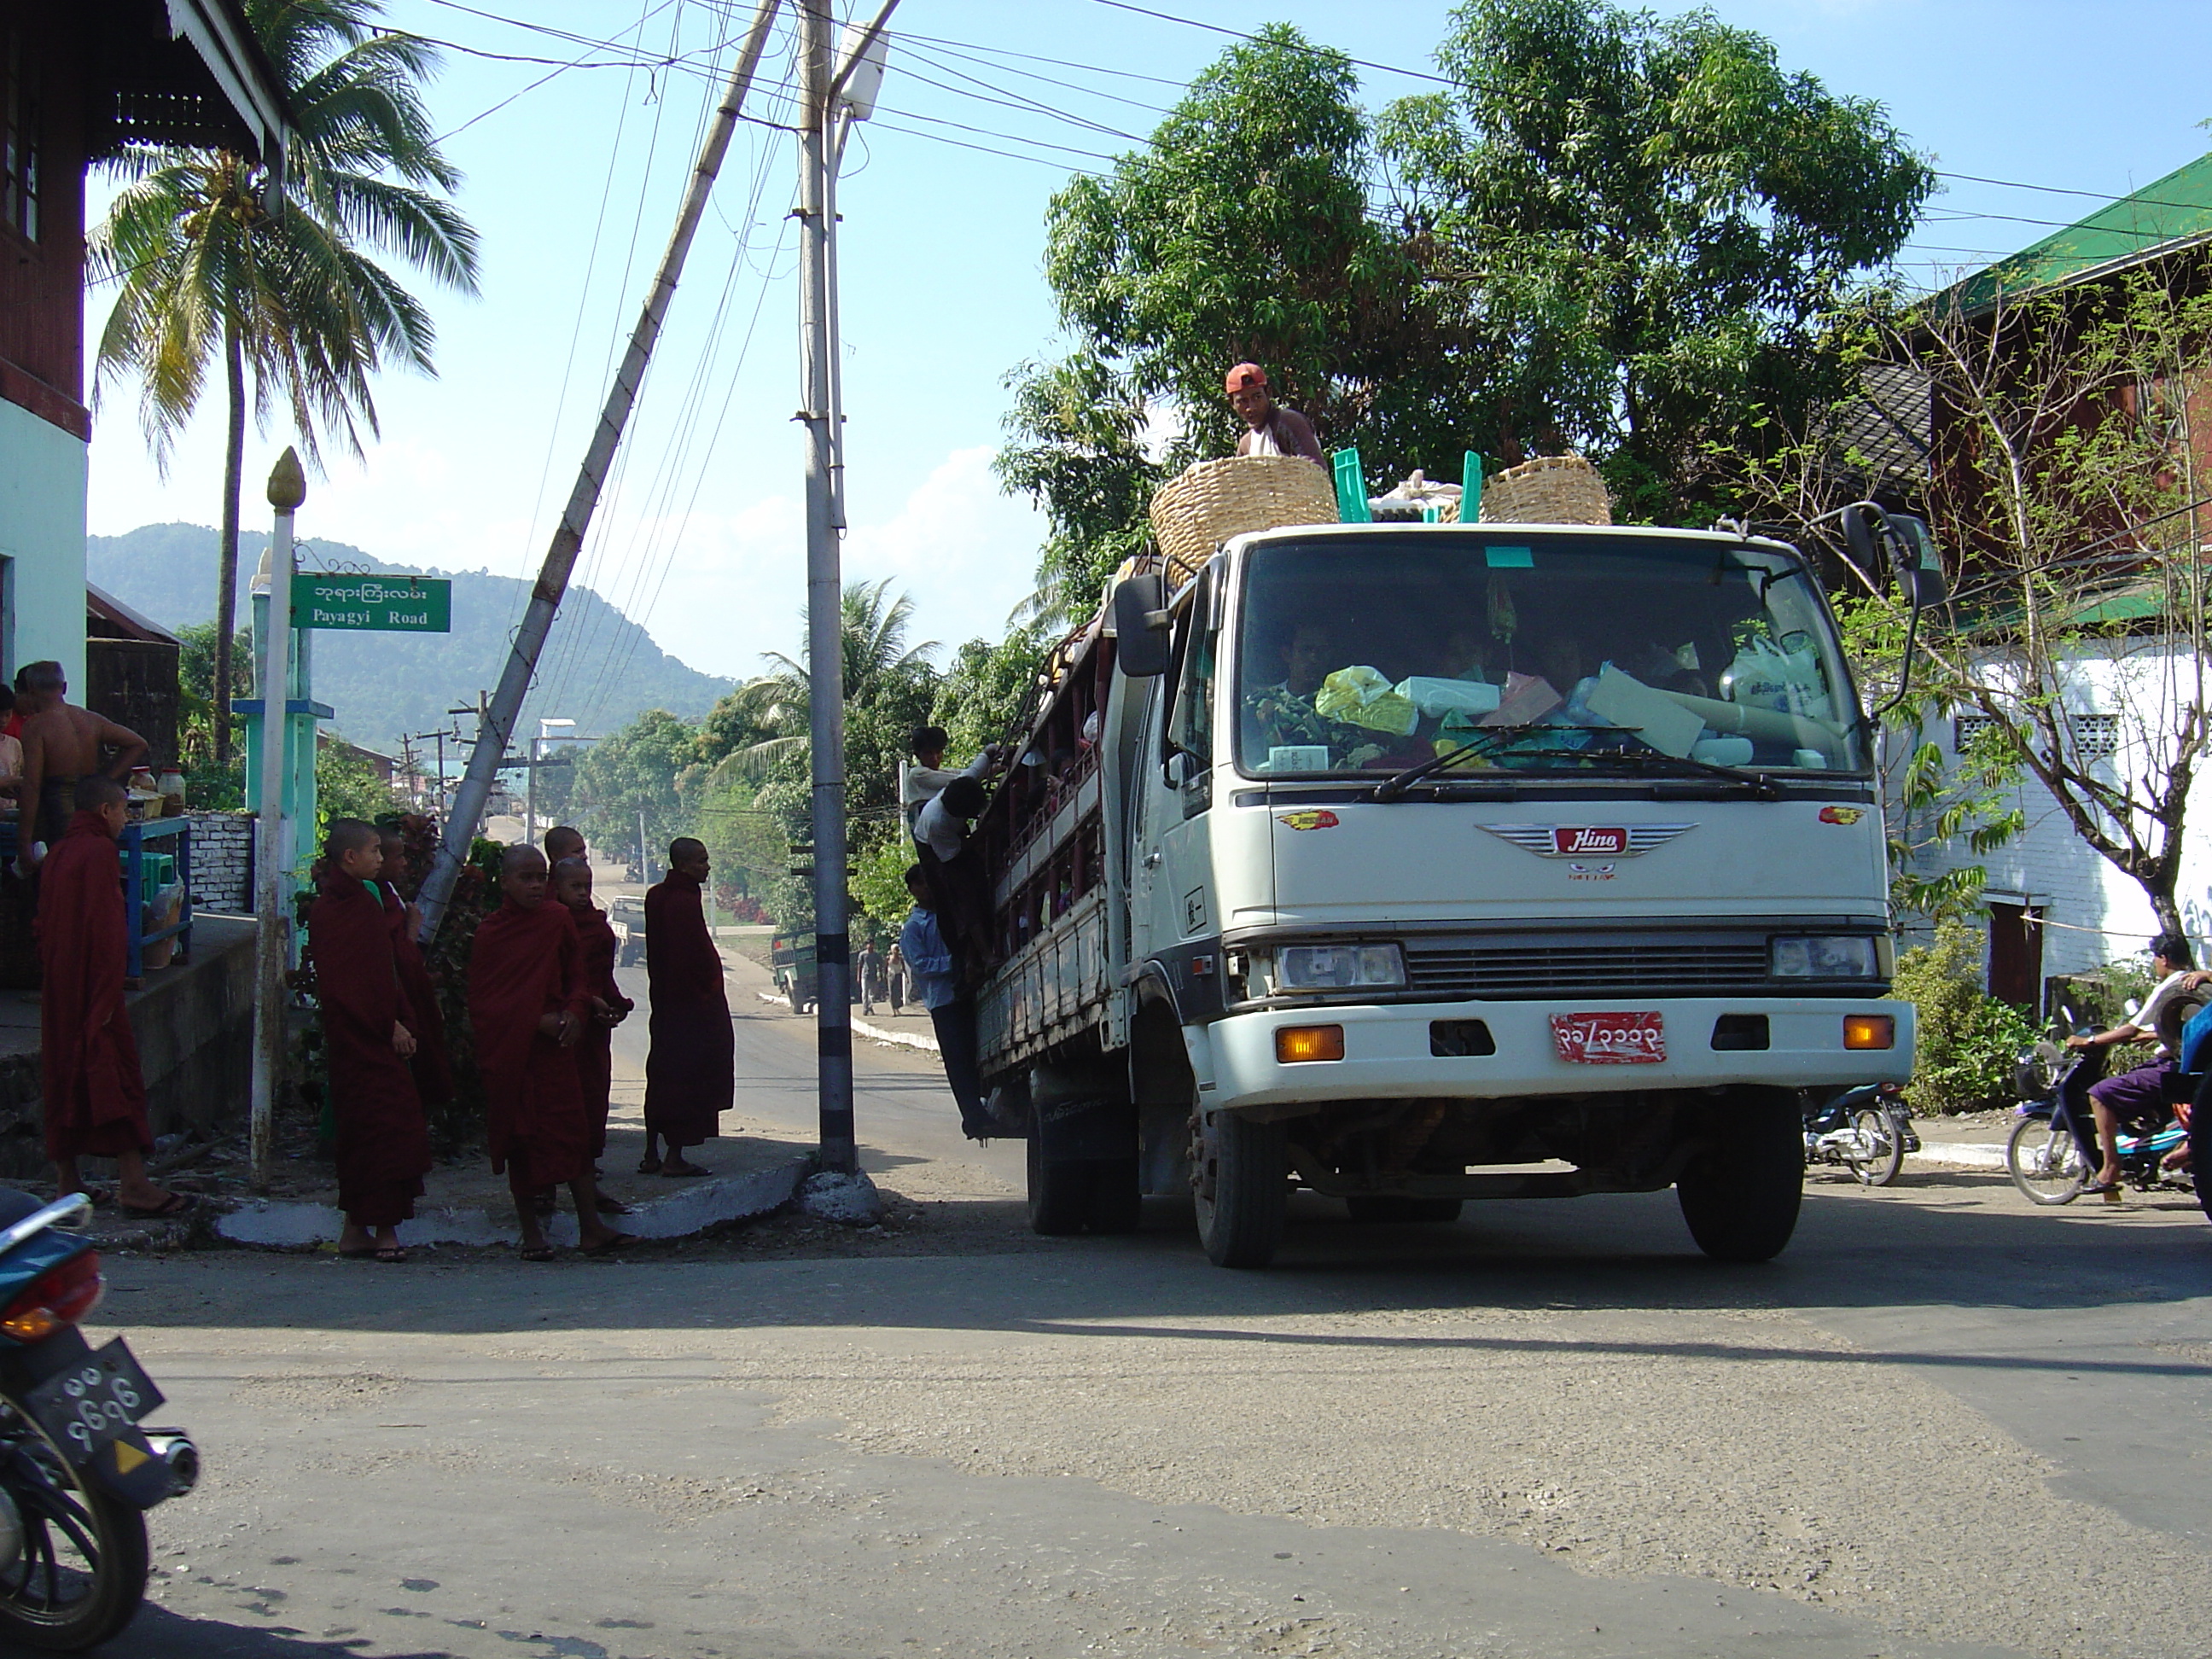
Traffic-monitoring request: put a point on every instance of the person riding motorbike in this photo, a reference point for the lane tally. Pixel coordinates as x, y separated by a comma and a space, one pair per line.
2137, 1098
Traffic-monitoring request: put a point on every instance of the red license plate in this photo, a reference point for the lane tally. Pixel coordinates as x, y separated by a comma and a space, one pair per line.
1616, 1039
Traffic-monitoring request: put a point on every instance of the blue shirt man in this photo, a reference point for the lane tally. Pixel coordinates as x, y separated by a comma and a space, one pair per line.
937, 987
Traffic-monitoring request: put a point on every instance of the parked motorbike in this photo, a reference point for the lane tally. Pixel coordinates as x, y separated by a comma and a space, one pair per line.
2052, 1151
1867, 1130
76, 1472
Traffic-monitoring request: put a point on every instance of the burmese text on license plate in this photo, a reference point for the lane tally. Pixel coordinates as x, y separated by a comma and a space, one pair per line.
1610, 1039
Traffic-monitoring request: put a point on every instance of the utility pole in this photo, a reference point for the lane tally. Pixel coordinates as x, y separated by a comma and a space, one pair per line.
288, 487
820, 140
499, 720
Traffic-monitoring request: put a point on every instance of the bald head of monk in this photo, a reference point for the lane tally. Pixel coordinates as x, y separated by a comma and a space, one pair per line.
522, 877
572, 883
105, 798
353, 847
563, 843
688, 858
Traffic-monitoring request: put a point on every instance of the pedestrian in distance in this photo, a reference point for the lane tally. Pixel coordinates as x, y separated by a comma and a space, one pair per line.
951, 1013
369, 1022
94, 1093
527, 1005
595, 1049
894, 979
868, 968
690, 1069
431, 1065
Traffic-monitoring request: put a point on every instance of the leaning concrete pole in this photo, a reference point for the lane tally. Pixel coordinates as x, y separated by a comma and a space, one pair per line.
496, 728
288, 487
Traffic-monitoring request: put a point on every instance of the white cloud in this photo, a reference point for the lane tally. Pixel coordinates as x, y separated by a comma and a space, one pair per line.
963, 549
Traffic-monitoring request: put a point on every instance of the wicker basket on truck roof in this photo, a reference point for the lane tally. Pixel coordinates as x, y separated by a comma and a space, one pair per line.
1550, 490
1212, 500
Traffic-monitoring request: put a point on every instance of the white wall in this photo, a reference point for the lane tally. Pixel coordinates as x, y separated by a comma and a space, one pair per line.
2094, 913
42, 497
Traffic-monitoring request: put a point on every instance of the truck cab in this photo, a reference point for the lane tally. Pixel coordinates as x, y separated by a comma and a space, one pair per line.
1444, 862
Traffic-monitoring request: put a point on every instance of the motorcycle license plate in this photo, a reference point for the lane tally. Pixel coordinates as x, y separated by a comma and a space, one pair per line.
95, 1400
1610, 1039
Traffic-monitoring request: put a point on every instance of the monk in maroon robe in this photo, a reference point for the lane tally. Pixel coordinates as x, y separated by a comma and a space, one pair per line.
368, 1038
527, 1005
595, 1049
94, 1092
433, 1071
690, 1070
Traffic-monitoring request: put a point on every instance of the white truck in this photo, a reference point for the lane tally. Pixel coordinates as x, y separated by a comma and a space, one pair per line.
1409, 864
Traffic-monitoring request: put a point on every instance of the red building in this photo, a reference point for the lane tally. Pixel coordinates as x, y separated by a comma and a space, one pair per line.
81, 81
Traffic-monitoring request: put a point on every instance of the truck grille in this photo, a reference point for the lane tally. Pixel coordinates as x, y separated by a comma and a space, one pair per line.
1673, 967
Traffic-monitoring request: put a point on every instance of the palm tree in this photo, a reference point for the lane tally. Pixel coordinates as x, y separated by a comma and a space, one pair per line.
211, 262
877, 660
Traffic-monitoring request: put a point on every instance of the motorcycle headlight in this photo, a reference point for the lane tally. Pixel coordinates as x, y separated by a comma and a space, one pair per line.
1329, 968
1824, 957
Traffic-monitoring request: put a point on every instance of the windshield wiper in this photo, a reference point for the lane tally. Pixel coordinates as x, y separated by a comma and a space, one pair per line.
1396, 785
1761, 784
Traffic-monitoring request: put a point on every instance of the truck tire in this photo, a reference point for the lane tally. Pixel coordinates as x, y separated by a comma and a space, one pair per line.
1242, 1191
1376, 1210
1742, 1194
1116, 1201
1060, 1192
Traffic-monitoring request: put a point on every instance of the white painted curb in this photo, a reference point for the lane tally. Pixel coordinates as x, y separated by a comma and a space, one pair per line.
697, 1206
1963, 1154
876, 1033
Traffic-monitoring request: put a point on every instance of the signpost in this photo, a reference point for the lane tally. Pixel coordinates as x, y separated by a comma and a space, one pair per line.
388, 603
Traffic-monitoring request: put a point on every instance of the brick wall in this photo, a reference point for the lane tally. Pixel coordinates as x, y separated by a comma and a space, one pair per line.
222, 861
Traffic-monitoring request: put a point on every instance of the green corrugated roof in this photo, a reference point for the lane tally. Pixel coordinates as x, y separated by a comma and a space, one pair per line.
2176, 209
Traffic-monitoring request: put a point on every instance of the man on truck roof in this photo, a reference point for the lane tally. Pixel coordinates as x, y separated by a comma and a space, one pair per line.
1274, 431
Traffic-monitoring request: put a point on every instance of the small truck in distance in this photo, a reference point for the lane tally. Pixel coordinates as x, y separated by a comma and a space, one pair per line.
1413, 863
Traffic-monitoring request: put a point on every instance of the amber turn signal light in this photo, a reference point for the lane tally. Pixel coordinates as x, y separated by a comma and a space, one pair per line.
1870, 1031
1294, 1043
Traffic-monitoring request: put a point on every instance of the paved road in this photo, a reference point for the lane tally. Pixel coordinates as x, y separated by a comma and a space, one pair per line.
1944, 1424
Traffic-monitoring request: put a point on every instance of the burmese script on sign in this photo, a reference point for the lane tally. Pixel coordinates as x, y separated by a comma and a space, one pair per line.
1637, 1038
387, 603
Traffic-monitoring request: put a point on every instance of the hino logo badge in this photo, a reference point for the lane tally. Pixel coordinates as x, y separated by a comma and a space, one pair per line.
1584, 840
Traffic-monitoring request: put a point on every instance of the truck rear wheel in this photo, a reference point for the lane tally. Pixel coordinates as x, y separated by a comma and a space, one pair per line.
1116, 1201
1060, 1191
1242, 1189
1378, 1210
1742, 1194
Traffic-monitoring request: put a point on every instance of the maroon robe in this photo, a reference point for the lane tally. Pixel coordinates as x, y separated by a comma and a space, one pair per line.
95, 1094
525, 964
690, 1070
434, 1072
383, 1142
595, 1053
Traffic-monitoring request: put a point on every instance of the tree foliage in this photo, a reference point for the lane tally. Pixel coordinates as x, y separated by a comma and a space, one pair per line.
1968, 1041
637, 771
1647, 223
207, 270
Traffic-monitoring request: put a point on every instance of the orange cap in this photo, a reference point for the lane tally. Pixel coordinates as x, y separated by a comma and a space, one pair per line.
1246, 375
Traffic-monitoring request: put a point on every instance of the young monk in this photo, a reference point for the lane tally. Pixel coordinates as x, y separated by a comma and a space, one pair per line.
690, 1069
368, 1021
562, 842
595, 1049
434, 1072
94, 1092
527, 1003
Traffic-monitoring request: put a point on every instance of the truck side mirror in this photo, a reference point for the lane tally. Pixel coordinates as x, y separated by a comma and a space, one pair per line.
1862, 536
1920, 565
1141, 627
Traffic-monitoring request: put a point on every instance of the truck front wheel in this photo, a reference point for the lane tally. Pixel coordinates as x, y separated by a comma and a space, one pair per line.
1242, 1177
1741, 1196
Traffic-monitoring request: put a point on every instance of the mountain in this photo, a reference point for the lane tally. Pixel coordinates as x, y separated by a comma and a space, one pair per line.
600, 669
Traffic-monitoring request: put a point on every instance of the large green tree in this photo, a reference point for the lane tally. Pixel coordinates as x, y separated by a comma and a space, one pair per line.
1651, 222
212, 267
637, 773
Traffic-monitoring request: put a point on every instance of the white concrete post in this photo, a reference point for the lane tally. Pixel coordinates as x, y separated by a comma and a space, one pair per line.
288, 487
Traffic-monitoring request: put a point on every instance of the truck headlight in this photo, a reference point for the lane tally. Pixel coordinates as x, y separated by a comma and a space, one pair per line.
1825, 956
1335, 966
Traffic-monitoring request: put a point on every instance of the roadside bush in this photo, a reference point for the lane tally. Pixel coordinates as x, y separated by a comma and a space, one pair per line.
1969, 1041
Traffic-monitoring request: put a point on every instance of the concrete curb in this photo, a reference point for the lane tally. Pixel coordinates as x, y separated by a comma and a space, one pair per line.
875, 1033
692, 1209
1963, 1154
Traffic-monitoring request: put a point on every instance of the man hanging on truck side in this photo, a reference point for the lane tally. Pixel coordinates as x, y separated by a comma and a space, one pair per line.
952, 1007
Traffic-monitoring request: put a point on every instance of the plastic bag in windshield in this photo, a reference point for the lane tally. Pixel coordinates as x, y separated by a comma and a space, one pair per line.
1360, 696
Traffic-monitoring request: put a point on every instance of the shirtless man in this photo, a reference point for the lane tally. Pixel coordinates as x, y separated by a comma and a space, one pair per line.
62, 743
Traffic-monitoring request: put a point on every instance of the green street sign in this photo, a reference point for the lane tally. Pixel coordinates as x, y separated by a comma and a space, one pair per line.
387, 603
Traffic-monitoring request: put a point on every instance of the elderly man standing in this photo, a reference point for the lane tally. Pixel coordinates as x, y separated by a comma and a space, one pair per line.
1273, 429
62, 742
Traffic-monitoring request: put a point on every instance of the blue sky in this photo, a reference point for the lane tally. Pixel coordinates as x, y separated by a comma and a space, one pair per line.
572, 186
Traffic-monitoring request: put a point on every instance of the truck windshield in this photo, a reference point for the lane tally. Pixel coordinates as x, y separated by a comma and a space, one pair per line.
1562, 653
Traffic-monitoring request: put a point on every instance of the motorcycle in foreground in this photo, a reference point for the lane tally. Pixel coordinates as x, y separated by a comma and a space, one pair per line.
2053, 1151
1866, 1129
76, 1472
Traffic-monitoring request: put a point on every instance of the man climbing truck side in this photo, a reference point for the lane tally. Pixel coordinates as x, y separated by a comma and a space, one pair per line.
1413, 864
